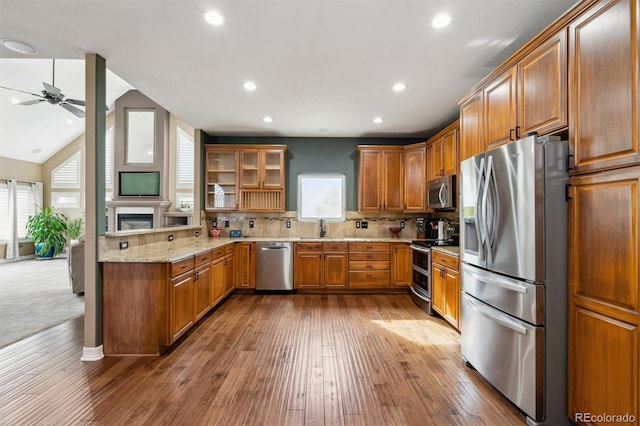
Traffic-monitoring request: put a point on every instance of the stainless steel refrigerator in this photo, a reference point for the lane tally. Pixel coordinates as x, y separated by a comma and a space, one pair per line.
513, 248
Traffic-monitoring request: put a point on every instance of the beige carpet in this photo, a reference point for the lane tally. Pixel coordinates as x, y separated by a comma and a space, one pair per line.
35, 295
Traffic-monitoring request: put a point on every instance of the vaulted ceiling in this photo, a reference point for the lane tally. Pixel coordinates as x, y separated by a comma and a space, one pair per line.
322, 67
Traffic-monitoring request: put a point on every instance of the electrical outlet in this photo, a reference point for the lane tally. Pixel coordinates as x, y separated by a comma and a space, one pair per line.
124, 245
364, 225
250, 224
358, 224
214, 224
170, 237
401, 225
197, 234
288, 224
226, 223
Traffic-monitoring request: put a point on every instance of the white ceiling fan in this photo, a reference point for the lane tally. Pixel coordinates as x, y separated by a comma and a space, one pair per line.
53, 95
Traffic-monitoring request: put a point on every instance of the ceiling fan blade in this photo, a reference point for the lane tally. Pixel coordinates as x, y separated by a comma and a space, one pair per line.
52, 90
33, 102
73, 110
74, 102
21, 91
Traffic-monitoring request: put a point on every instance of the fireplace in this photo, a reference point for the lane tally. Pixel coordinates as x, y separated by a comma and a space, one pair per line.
133, 221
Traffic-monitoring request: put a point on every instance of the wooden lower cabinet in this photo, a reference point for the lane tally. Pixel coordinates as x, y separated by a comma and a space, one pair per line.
604, 293
181, 312
159, 302
445, 285
245, 265
401, 268
320, 265
369, 265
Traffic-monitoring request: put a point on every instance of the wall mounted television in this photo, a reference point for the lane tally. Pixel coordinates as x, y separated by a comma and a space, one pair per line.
139, 184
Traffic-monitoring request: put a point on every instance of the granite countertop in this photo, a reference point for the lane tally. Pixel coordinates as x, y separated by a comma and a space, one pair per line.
170, 252
452, 250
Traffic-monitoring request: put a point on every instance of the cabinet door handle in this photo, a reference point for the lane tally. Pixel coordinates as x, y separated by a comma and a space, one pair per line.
517, 132
511, 133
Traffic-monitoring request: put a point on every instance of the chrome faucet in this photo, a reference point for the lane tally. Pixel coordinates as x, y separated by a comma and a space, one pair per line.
323, 229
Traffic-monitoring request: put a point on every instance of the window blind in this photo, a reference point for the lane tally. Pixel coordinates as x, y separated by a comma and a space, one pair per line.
185, 160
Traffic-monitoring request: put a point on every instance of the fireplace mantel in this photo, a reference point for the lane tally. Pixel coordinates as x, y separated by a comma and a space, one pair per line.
122, 205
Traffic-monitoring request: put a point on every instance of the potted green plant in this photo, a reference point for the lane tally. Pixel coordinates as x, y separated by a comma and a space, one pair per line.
48, 231
74, 229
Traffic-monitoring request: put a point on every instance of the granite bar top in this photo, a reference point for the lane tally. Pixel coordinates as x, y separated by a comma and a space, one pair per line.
176, 250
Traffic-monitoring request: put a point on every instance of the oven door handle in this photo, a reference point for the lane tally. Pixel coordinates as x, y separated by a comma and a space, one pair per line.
421, 249
512, 325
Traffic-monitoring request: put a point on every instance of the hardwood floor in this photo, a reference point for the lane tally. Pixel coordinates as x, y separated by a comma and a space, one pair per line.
262, 359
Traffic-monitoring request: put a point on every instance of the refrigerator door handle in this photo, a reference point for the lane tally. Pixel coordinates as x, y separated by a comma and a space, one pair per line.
485, 196
478, 206
494, 200
497, 317
498, 282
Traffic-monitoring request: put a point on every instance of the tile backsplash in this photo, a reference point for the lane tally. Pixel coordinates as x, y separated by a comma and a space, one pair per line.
275, 224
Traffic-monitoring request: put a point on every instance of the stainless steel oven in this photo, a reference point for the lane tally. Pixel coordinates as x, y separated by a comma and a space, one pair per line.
421, 271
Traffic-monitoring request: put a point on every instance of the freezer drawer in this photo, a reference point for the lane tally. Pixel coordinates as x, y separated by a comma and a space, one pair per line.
515, 297
509, 353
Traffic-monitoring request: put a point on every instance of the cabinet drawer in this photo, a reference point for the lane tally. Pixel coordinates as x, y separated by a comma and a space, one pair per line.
444, 259
217, 253
202, 258
334, 246
229, 248
367, 247
364, 265
308, 246
369, 256
369, 279
181, 266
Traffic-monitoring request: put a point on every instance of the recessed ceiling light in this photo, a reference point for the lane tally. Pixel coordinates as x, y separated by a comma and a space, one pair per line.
378, 120
37, 151
19, 46
267, 119
213, 17
250, 86
323, 129
15, 101
399, 87
441, 20
69, 121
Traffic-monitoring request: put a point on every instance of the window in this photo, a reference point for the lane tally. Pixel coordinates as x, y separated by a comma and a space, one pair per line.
108, 158
185, 160
321, 196
65, 200
67, 174
4, 211
24, 207
140, 136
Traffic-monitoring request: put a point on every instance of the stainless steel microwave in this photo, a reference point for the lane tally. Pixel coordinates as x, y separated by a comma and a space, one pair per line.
441, 193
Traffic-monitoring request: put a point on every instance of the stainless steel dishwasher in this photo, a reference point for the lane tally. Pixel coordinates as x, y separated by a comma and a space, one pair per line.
274, 266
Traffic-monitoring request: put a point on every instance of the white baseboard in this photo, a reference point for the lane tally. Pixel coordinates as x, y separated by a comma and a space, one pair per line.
92, 354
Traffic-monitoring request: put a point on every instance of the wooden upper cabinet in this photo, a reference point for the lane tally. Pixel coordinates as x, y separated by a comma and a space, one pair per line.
603, 86
245, 178
415, 177
442, 152
542, 87
500, 110
471, 133
221, 178
262, 168
380, 178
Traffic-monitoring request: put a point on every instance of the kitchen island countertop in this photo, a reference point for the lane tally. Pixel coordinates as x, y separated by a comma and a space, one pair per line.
164, 252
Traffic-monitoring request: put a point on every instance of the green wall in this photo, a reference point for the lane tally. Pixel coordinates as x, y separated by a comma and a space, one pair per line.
317, 155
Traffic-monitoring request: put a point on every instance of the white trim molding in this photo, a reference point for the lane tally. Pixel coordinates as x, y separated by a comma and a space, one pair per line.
92, 353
